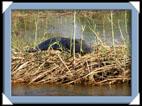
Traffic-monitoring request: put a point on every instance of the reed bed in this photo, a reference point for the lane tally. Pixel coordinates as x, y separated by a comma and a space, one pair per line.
54, 66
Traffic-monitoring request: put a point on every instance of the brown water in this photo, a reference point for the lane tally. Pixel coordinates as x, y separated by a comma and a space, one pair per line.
70, 90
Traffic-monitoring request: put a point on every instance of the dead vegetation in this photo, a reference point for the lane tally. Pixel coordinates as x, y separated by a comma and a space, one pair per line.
101, 67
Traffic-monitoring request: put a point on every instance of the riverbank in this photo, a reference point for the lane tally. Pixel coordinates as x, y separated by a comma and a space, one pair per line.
103, 66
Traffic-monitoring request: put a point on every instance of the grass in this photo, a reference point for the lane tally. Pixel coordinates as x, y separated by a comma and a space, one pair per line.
106, 65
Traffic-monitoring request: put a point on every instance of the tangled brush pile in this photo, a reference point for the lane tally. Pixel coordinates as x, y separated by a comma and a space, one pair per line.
104, 66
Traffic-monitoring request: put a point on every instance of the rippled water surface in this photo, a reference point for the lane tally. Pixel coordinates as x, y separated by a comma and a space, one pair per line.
70, 90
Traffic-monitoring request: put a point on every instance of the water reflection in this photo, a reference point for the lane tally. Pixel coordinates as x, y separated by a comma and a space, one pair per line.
70, 90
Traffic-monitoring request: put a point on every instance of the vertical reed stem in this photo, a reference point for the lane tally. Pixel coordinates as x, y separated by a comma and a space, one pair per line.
104, 29
74, 30
83, 28
71, 43
126, 23
127, 35
113, 44
36, 28
25, 26
122, 37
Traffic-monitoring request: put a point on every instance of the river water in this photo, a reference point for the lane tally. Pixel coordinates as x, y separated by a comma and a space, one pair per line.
70, 90
57, 25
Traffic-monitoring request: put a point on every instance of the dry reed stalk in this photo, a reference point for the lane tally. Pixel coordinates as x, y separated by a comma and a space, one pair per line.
63, 62
43, 74
93, 72
57, 67
15, 58
21, 66
88, 67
